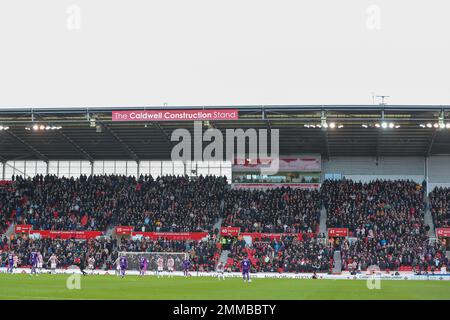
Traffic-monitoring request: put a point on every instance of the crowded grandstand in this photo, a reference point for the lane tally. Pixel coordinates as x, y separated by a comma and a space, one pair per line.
331, 209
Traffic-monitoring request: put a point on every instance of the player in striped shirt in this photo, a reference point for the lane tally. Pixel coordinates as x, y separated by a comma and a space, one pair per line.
91, 264
221, 271
40, 262
53, 260
160, 263
170, 264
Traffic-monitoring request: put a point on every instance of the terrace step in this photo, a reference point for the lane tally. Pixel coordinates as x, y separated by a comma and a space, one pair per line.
10, 230
337, 262
224, 256
428, 219
323, 221
218, 224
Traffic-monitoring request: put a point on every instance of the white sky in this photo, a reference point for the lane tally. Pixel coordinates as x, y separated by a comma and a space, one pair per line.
228, 52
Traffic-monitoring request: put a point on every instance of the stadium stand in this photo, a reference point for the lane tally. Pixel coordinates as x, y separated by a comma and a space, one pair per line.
366, 207
440, 207
92, 174
93, 203
384, 218
204, 254
285, 255
281, 210
67, 250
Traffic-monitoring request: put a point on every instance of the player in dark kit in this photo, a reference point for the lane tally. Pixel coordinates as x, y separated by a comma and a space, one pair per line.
10, 262
143, 266
123, 265
246, 264
33, 262
81, 265
186, 266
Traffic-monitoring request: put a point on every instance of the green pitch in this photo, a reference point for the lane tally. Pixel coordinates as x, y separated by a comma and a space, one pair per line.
132, 287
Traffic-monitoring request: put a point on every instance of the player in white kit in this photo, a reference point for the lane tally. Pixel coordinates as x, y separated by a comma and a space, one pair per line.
220, 271
15, 260
160, 263
117, 263
170, 264
53, 261
40, 262
91, 264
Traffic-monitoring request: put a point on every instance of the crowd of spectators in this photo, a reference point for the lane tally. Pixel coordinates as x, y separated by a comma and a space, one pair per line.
66, 250
386, 218
440, 207
281, 210
416, 253
5, 218
203, 254
166, 203
288, 254
381, 206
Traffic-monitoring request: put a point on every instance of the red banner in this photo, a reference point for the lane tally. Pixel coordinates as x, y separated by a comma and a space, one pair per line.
22, 228
443, 232
338, 232
67, 234
5, 182
230, 231
172, 235
124, 230
175, 115
277, 236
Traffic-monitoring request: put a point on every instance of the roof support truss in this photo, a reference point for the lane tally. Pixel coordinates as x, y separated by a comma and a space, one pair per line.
33, 150
124, 146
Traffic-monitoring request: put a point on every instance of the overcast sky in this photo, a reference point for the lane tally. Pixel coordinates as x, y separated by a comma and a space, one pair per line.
228, 52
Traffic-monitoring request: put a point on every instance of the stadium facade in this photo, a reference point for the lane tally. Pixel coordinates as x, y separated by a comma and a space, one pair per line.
359, 142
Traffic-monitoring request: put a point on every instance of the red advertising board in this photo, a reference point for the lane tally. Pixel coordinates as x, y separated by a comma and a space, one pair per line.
338, 232
175, 115
172, 235
123, 230
277, 236
443, 232
230, 231
67, 234
22, 228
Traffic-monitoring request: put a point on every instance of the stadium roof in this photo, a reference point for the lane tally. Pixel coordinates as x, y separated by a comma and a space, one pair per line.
108, 139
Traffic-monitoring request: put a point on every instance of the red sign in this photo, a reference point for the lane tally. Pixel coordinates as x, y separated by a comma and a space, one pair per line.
175, 115
172, 235
230, 231
22, 228
338, 232
265, 186
277, 236
443, 232
67, 234
124, 230
5, 182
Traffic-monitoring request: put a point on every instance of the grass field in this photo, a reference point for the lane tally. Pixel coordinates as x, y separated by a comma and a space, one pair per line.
132, 287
